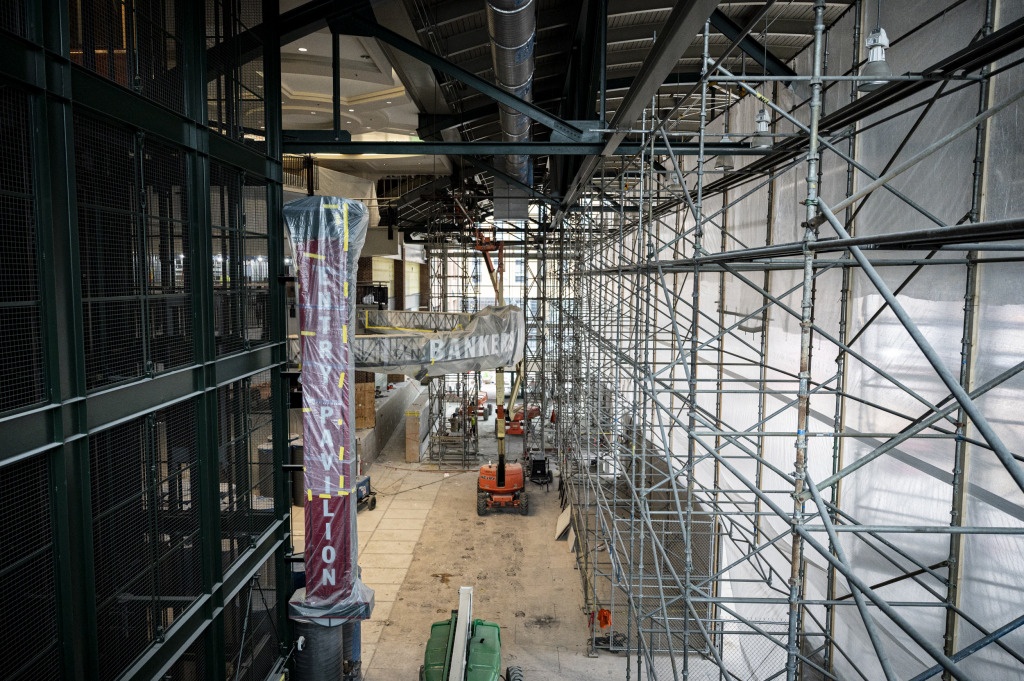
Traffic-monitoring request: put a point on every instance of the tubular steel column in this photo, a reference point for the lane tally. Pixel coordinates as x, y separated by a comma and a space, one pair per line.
963, 450
694, 333
807, 310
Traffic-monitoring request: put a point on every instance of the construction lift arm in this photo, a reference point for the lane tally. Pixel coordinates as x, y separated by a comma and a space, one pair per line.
487, 245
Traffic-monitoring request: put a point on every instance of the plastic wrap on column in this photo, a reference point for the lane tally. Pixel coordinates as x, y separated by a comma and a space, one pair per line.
352, 640
328, 234
321, 656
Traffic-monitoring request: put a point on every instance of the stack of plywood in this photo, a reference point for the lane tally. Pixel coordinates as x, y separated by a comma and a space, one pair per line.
412, 436
416, 428
366, 416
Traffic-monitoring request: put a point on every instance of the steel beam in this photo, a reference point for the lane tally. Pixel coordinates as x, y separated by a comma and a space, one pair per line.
676, 35
512, 181
430, 126
753, 49
289, 27
681, 78
298, 143
375, 30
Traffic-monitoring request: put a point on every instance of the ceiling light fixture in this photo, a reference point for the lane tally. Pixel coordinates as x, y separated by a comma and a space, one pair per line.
351, 110
303, 49
763, 135
877, 71
724, 161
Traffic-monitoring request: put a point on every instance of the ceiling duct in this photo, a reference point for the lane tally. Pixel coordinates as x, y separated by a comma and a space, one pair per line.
512, 26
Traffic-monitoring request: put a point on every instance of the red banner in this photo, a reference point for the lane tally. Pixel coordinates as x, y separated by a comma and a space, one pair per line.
325, 314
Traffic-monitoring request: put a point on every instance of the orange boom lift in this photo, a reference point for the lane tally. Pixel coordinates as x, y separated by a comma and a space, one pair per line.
501, 485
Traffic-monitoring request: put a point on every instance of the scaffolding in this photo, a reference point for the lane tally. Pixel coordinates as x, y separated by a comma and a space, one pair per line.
536, 388
791, 447
452, 398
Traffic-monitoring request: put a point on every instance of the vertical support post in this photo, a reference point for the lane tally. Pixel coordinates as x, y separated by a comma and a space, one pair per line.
950, 636
309, 165
602, 64
53, 151
839, 417
691, 426
336, 83
806, 321
278, 323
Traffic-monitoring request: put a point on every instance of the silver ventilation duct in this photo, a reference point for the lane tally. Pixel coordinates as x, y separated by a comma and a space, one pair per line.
512, 26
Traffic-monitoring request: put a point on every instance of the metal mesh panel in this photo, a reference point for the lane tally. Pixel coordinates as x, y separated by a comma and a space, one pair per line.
257, 282
168, 266
12, 16
225, 220
234, 474
255, 196
190, 665
238, 215
261, 453
246, 464
251, 637
21, 351
133, 44
108, 241
257, 298
235, 94
28, 610
133, 236
145, 531
125, 588
175, 485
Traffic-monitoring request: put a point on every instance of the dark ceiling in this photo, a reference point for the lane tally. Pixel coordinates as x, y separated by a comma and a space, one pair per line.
641, 37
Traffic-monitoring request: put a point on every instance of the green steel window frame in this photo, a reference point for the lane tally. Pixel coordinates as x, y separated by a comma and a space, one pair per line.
39, 63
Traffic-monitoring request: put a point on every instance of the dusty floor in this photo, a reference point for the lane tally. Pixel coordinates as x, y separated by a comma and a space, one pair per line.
424, 540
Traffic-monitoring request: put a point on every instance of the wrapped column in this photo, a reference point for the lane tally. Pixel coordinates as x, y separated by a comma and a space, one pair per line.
328, 234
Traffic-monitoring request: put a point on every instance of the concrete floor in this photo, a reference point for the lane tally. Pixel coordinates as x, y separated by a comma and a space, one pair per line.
424, 540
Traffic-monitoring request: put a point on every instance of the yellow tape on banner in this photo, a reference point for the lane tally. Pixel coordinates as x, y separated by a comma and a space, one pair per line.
341, 380
315, 256
344, 214
346, 289
341, 451
324, 496
309, 333
309, 495
344, 334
